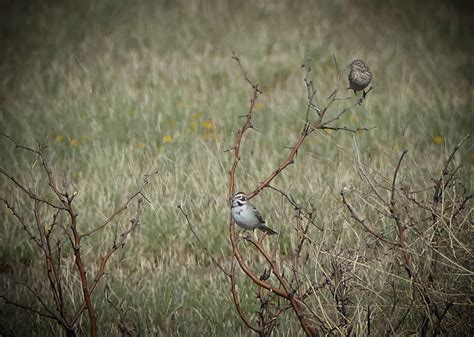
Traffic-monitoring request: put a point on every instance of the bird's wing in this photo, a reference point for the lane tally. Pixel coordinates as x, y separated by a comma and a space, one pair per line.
257, 214
264, 228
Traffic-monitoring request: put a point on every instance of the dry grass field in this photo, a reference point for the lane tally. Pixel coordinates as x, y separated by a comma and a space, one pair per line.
119, 89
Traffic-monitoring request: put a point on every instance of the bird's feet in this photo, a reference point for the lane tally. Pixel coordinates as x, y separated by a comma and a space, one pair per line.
245, 235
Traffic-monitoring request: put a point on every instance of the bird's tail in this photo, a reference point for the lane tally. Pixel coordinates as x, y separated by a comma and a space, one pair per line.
268, 230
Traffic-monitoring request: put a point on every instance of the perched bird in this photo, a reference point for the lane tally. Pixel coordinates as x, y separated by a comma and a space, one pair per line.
246, 215
359, 76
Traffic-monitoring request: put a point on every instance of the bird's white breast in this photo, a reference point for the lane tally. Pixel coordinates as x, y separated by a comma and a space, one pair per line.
244, 217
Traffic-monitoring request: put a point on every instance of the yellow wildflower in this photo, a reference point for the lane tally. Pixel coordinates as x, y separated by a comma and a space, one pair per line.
208, 124
167, 138
74, 142
59, 138
258, 106
196, 115
438, 140
141, 146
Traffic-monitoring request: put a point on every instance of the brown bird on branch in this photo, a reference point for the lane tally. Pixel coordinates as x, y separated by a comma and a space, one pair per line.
359, 76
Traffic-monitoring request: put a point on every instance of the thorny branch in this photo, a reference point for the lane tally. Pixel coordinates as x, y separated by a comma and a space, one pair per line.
124, 206
284, 290
424, 277
43, 240
307, 215
117, 244
308, 128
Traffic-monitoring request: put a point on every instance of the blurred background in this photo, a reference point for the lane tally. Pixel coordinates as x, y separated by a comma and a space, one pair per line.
121, 88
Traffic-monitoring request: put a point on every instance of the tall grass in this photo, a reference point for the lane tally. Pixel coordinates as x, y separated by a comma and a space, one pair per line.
121, 89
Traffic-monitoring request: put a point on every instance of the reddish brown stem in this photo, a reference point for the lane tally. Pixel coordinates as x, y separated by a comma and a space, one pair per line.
235, 298
282, 292
82, 271
101, 271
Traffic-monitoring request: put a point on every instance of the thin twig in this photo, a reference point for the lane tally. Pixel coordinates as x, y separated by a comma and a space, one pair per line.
29, 192
203, 247
27, 308
18, 145
134, 222
123, 207
292, 201
22, 222
235, 298
361, 221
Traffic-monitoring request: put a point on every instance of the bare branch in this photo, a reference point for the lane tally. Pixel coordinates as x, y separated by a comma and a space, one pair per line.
244, 73
27, 308
123, 207
292, 201
40, 300
364, 175
203, 247
22, 222
392, 193
134, 222
345, 128
29, 192
339, 115
361, 221
236, 301
18, 145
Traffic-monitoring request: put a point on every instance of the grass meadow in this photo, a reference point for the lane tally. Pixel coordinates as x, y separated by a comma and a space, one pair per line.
122, 88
